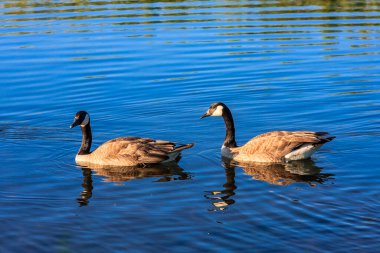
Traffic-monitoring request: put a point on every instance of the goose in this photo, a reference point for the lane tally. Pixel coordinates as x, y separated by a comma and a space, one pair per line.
124, 151
270, 147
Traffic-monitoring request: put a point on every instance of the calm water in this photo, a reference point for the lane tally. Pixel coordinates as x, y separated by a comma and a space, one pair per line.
151, 68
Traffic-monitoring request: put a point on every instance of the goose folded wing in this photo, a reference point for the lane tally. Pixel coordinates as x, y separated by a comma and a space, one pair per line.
144, 150
280, 143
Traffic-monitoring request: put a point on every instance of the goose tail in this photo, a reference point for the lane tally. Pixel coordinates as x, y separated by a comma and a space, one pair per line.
182, 147
175, 155
326, 139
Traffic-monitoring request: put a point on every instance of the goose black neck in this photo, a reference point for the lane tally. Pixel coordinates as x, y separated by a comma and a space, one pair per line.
86, 140
229, 140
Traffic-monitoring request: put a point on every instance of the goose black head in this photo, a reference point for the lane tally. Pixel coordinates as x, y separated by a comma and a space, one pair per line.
81, 118
216, 109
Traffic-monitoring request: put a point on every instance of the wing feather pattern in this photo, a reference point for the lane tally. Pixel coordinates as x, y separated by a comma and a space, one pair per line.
131, 151
274, 146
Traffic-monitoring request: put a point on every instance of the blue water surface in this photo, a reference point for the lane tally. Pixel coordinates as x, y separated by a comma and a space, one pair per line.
151, 68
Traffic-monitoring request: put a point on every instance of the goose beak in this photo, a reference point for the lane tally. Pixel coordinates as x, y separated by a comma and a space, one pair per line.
74, 124
205, 115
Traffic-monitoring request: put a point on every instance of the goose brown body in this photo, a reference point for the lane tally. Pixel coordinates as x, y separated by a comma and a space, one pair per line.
280, 146
132, 151
270, 147
124, 151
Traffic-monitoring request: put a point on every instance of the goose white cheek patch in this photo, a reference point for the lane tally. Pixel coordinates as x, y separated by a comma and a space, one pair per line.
218, 111
85, 121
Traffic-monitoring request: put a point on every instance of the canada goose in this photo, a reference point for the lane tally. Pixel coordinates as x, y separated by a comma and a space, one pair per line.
271, 147
123, 151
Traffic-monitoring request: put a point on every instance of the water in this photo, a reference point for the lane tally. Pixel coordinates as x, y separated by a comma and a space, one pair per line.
150, 69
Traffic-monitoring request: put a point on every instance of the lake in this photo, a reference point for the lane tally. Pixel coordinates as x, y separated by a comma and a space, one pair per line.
151, 69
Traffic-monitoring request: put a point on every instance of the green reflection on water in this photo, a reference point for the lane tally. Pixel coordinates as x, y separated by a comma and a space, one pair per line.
324, 5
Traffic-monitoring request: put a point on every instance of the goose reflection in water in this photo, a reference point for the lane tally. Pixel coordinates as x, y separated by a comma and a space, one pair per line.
118, 175
303, 171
